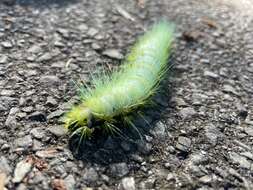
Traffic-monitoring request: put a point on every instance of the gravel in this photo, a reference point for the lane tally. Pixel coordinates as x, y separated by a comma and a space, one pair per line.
201, 138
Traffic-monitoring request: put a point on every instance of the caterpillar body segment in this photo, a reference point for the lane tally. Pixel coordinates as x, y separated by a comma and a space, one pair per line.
119, 95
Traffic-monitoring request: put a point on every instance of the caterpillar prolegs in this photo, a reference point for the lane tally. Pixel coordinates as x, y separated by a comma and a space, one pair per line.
115, 97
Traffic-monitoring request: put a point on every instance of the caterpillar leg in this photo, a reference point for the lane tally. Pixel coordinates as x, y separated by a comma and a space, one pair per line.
78, 137
110, 128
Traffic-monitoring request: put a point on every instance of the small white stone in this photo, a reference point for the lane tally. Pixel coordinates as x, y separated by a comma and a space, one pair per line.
21, 170
128, 183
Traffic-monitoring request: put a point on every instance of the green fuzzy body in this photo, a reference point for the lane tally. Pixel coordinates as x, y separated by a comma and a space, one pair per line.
127, 89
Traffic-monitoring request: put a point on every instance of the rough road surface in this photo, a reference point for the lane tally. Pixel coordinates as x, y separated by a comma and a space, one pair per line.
205, 137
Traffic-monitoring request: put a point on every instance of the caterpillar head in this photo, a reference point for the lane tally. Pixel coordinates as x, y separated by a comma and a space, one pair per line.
78, 121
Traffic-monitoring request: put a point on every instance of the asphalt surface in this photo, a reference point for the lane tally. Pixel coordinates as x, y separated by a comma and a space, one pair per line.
201, 137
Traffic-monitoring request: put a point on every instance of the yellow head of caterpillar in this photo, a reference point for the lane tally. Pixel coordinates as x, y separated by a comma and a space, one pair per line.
78, 116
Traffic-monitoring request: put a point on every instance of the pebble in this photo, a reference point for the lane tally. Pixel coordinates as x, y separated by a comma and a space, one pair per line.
5, 92
243, 112
49, 79
37, 145
27, 109
223, 72
58, 184
3, 59
5, 147
105, 178
128, 183
24, 142
170, 176
187, 113
90, 175
34, 49
59, 169
113, 53
206, 179
38, 178
205, 61
51, 101
126, 146
59, 44
4, 166
183, 144
82, 27
119, 169
244, 163
70, 182
57, 130
178, 102
212, 134
96, 46
92, 32
211, 74
7, 44
3, 108
45, 57
38, 133
11, 119
248, 155
195, 170
199, 158
148, 184
249, 130
30, 73
37, 116
137, 158
159, 131
229, 89
55, 114
144, 147
64, 32
21, 186
21, 170
48, 153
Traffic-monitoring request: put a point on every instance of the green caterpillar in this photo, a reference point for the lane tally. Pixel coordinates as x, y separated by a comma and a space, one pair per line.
112, 99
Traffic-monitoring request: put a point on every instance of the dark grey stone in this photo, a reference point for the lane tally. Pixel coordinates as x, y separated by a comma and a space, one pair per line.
119, 169
90, 175
37, 116
24, 142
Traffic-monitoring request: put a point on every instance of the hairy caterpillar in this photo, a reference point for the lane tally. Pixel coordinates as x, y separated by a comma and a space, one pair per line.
113, 98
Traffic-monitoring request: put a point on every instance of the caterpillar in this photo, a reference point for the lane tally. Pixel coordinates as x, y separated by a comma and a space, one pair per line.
114, 98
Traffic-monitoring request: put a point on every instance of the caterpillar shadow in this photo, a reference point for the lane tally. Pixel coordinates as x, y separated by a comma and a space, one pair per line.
102, 149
